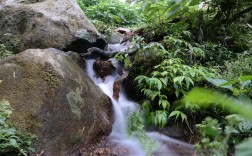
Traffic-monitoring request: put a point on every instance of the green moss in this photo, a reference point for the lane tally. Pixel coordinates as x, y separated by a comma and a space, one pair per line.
75, 101
10, 43
50, 77
77, 137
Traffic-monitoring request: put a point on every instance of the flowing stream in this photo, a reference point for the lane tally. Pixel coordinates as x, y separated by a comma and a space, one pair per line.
124, 107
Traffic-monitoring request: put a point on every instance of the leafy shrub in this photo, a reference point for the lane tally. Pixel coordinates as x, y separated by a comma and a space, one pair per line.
88, 3
212, 143
215, 54
113, 13
169, 77
184, 49
147, 54
4, 52
241, 87
235, 68
217, 136
100, 26
12, 141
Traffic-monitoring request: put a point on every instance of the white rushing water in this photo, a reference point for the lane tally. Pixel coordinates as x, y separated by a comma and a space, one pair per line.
122, 108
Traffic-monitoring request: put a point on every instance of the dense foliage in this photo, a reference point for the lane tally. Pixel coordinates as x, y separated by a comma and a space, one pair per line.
191, 43
110, 12
12, 140
181, 44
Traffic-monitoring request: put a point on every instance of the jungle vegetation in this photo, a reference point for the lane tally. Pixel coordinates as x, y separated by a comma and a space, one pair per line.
200, 70
199, 74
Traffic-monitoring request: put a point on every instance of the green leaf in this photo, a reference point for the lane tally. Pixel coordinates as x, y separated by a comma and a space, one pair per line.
218, 82
164, 73
164, 80
164, 120
245, 78
178, 79
173, 11
183, 116
146, 106
159, 84
159, 116
194, 2
192, 73
204, 97
229, 83
140, 79
165, 104
174, 113
13, 142
174, 70
188, 81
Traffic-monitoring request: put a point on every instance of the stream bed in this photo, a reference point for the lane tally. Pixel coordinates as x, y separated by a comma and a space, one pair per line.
165, 146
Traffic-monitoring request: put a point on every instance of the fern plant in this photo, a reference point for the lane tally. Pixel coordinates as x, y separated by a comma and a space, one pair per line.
186, 50
170, 76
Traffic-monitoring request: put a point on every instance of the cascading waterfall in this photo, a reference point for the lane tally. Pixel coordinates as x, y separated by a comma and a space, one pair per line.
124, 107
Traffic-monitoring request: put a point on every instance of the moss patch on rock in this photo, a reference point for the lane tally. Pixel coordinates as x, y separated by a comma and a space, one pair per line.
50, 76
75, 101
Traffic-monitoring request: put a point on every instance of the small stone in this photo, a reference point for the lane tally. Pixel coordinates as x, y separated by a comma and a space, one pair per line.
116, 90
103, 68
101, 152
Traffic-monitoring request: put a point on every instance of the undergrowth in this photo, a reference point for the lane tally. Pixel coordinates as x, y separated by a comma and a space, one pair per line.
12, 140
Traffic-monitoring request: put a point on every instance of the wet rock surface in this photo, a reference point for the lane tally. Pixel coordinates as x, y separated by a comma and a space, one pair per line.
104, 147
103, 68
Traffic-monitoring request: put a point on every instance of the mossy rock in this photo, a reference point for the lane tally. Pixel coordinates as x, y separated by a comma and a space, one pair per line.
52, 97
43, 24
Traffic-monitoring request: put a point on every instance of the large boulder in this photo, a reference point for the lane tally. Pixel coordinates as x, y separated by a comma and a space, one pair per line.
55, 99
42, 24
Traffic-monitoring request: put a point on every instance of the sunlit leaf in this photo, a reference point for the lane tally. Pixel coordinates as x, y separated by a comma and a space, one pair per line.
218, 82
178, 79
204, 97
13, 142
164, 80
194, 2
245, 78
228, 83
